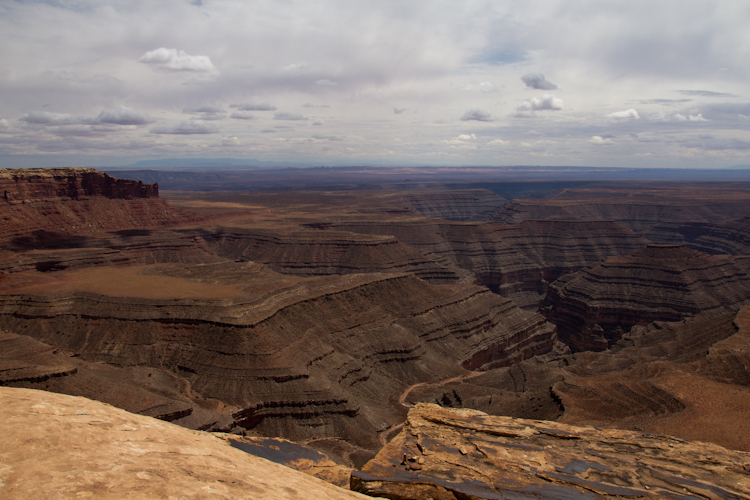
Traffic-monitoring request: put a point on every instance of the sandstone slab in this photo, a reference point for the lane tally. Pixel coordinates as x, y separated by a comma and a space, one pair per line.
59, 447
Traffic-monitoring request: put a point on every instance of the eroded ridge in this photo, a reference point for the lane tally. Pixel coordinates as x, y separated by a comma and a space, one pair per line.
596, 305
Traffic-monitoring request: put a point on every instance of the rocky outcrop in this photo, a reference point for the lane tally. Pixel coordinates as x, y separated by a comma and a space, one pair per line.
458, 454
514, 261
23, 185
595, 306
57, 446
68, 201
307, 358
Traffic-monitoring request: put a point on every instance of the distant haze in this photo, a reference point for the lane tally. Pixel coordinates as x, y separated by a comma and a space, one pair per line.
332, 82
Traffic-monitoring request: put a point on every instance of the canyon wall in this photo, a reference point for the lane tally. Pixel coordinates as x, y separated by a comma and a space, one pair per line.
596, 305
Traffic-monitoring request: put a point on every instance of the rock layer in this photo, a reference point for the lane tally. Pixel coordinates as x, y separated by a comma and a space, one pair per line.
514, 261
316, 359
595, 306
452, 454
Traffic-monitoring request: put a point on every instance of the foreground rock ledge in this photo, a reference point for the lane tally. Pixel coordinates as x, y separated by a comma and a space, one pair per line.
56, 446
449, 454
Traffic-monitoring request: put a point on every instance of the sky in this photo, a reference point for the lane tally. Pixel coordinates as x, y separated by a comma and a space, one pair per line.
657, 83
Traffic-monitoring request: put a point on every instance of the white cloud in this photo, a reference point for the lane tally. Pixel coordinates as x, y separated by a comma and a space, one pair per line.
548, 102
177, 60
496, 142
186, 128
480, 87
598, 140
628, 113
479, 115
538, 82
467, 137
326, 83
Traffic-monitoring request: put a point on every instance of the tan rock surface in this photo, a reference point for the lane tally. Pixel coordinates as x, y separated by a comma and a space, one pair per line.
57, 446
450, 454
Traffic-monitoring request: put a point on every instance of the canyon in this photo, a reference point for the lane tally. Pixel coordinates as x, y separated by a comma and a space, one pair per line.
328, 317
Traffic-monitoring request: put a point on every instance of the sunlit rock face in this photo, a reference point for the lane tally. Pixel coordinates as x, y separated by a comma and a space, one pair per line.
455, 454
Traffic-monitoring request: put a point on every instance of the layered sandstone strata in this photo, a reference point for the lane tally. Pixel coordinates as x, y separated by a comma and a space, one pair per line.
311, 358
595, 306
315, 253
458, 205
514, 261
455, 454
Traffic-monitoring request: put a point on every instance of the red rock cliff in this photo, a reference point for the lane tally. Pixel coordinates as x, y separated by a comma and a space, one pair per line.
26, 184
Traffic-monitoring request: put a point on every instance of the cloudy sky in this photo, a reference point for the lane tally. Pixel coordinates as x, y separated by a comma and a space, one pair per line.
658, 83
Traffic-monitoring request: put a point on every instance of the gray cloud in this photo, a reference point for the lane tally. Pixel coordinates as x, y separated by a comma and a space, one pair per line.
282, 115
254, 107
706, 93
538, 82
326, 83
204, 109
320, 137
398, 111
267, 131
242, 115
720, 144
207, 113
479, 115
185, 128
47, 118
123, 116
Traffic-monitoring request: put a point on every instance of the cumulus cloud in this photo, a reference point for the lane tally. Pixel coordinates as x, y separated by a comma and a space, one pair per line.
177, 60
628, 113
479, 115
480, 87
242, 115
547, 102
598, 140
688, 118
283, 115
186, 128
538, 82
496, 142
254, 107
467, 137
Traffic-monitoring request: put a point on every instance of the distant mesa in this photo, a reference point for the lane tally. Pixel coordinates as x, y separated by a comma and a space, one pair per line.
26, 184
